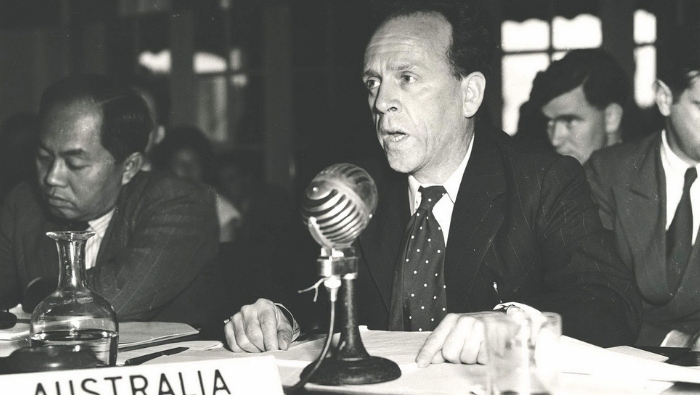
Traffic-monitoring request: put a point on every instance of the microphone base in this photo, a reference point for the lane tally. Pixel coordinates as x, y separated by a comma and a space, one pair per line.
368, 370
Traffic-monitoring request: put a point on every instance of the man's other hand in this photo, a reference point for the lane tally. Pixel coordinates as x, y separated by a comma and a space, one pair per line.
258, 327
458, 339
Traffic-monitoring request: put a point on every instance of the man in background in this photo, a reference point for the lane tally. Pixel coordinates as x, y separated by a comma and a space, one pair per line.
188, 154
585, 96
498, 224
651, 200
155, 237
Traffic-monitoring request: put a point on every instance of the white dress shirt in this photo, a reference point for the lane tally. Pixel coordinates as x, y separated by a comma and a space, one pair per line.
442, 211
674, 169
92, 246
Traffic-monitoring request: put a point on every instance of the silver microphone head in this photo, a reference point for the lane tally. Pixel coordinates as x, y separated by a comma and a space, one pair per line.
338, 204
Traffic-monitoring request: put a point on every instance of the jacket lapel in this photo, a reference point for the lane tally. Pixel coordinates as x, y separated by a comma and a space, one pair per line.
381, 240
476, 218
115, 238
641, 207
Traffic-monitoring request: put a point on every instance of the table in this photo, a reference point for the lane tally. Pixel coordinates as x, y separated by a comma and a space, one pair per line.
617, 371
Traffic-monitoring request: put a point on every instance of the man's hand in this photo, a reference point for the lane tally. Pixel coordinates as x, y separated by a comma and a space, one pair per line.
458, 339
694, 343
258, 327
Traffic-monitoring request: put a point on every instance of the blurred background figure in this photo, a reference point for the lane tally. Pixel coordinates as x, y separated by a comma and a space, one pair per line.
265, 209
17, 150
157, 102
186, 153
586, 100
271, 241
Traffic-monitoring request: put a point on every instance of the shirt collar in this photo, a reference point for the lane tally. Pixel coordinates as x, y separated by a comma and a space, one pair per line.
451, 185
99, 225
672, 162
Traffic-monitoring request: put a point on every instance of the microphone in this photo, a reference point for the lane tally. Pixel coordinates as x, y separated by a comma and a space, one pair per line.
338, 205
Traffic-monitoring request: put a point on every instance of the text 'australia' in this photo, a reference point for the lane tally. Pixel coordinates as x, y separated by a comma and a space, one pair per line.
136, 384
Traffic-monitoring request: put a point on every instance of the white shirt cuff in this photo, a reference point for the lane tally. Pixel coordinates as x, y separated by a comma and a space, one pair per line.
530, 311
295, 326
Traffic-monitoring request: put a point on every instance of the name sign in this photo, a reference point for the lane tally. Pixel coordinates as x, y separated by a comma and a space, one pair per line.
253, 375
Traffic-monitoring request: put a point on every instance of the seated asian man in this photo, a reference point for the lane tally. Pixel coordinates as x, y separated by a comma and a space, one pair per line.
155, 236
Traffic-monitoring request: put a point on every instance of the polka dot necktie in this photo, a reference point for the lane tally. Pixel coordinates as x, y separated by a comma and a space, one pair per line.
679, 236
423, 260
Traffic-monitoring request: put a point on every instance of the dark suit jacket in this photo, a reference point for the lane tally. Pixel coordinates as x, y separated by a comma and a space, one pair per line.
151, 264
523, 220
628, 183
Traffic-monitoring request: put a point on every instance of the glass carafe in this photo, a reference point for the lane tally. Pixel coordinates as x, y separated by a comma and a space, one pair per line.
75, 315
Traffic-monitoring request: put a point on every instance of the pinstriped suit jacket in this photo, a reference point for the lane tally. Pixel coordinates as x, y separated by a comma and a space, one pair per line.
522, 220
164, 232
632, 200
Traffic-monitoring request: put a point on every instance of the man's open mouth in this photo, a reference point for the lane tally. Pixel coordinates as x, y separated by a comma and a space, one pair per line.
394, 135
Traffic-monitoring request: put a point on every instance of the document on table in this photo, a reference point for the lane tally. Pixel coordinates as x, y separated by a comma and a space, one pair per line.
585, 368
134, 335
400, 347
17, 332
21, 329
582, 358
199, 348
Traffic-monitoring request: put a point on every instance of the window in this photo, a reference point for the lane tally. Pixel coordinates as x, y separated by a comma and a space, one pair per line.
529, 47
644, 57
278, 82
227, 75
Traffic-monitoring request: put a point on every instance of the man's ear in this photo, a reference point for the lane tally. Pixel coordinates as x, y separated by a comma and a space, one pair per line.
613, 119
473, 87
663, 97
155, 137
132, 165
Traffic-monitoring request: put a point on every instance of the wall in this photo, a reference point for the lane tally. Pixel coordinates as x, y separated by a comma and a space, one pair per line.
31, 60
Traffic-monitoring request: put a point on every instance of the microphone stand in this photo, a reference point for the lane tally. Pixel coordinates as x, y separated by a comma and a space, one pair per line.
349, 363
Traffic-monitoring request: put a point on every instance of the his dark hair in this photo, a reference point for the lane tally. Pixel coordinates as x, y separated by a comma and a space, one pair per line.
153, 89
679, 58
471, 48
126, 122
603, 80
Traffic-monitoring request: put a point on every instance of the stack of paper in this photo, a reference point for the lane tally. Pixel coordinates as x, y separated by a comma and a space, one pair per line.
586, 368
200, 349
17, 332
582, 358
21, 330
133, 335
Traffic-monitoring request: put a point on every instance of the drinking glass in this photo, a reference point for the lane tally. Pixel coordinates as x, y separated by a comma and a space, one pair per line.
523, 353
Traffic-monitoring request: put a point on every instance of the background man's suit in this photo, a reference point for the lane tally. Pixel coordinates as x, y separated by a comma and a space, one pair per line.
152, 262
628, 183
523, 221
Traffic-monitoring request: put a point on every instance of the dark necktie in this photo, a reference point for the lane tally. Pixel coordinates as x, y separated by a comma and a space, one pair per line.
679, 236
418, 296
